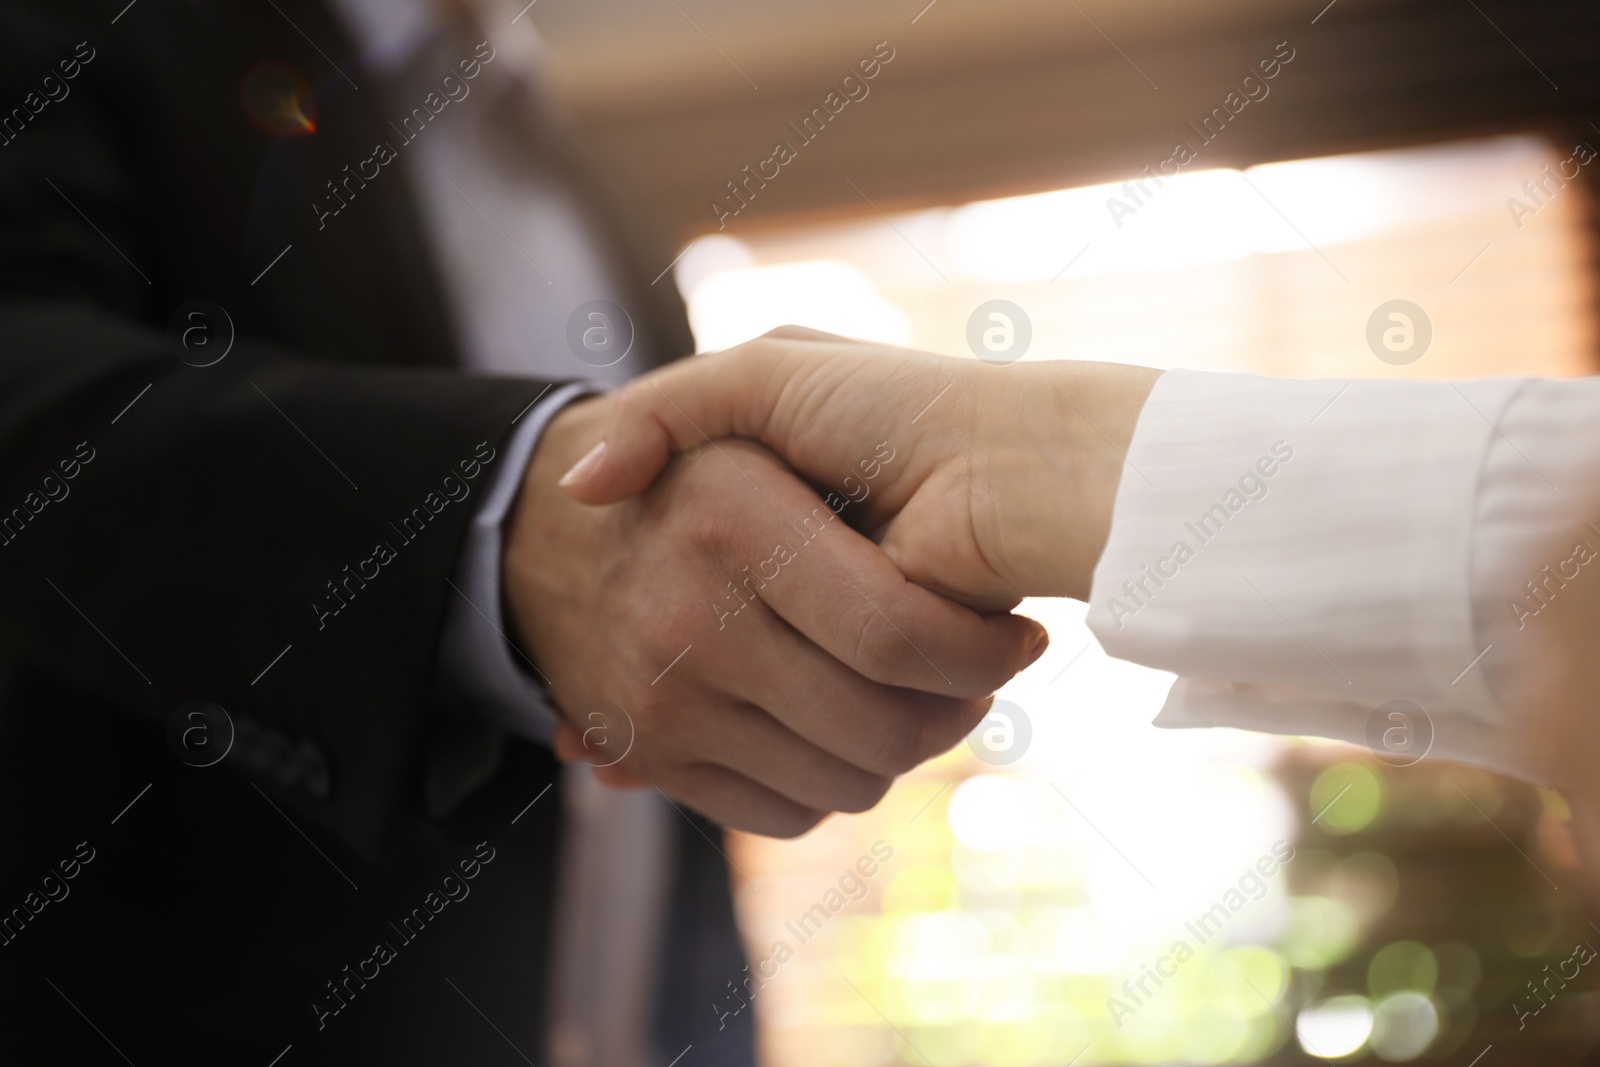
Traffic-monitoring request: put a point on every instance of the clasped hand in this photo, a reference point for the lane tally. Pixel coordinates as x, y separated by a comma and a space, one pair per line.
1003, 486
1009, 474
772, 663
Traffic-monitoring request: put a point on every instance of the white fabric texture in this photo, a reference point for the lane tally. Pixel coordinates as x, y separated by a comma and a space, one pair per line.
1300, 552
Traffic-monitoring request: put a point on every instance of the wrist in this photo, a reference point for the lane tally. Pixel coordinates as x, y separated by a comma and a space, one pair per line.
545, 529
1053, 471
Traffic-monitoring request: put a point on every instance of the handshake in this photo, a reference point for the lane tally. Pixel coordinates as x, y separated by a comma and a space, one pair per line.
779, 655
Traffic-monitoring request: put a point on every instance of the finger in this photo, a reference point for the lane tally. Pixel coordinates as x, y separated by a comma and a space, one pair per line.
693, 401
569, 747
567, 743
745, 739
882, 730
736, 802
840, 590
618, 777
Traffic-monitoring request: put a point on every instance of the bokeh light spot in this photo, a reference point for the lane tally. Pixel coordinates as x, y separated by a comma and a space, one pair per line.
1348, 797
1321, 932
1400, 966
1336, 1027
1403, 1026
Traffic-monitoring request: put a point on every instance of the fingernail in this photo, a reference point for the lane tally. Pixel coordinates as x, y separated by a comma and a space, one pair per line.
585, 466
1038, 648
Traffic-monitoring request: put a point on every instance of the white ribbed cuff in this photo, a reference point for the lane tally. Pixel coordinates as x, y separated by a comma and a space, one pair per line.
1300, 552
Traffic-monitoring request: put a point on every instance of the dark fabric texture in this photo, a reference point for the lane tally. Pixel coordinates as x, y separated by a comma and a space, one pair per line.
173, 533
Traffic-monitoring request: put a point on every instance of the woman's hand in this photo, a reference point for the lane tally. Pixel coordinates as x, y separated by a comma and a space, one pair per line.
1002, 479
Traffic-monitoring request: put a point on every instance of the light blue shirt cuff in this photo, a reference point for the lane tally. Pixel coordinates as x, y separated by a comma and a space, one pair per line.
481, 671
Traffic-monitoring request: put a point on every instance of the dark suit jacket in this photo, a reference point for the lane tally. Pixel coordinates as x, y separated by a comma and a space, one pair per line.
164, 532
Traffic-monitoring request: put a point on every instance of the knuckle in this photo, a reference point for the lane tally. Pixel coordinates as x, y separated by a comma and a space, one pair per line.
685, 617
993, 666
633, 397
865, 794
792, 824
942, 737
651, 713
879, 651
946, 725
701, 517
715, 532
919, 728
793, 332
899, 749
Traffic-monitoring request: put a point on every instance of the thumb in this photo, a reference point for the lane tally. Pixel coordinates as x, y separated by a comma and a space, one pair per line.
692, 402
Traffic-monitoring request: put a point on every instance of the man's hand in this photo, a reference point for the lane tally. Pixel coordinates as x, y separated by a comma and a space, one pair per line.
1009, 473
774, 665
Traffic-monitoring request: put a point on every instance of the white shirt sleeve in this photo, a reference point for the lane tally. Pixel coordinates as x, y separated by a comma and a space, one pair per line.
1303, 552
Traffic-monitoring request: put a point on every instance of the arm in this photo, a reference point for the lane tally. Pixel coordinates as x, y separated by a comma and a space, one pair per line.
1298, 552
481, 669
1302, 552
171, 532
239, 546
730, 639
1410, 548
1008, 476
200, 535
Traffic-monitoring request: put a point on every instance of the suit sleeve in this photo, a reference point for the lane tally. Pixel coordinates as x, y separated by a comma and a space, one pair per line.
272, 532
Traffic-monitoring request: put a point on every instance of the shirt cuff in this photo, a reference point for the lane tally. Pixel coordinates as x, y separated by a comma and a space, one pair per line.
1300, 552
481, 671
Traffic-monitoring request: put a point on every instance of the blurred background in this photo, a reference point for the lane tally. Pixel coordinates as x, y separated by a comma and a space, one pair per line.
1405, 152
